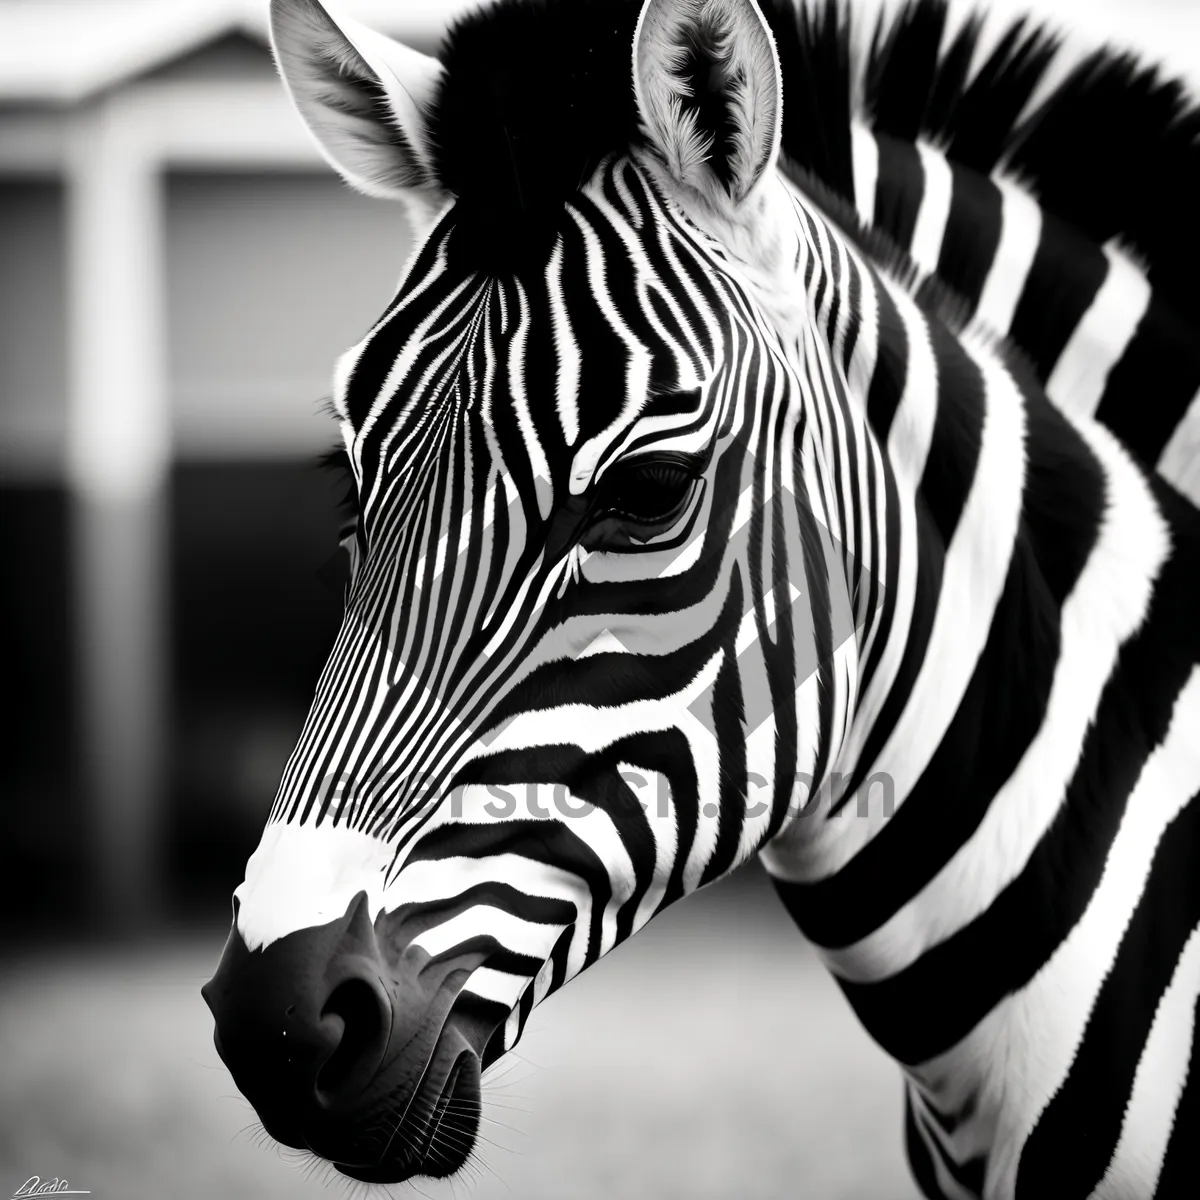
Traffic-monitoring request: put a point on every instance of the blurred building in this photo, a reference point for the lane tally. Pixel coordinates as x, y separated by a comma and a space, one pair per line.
178, 271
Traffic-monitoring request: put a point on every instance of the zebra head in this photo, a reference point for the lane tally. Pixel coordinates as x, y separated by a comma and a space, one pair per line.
592, 624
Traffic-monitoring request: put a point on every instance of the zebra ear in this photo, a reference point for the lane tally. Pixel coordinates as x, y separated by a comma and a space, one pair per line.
709, 94
363, 96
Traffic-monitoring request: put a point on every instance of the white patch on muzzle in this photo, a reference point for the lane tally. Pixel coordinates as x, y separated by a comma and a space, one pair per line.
302, 875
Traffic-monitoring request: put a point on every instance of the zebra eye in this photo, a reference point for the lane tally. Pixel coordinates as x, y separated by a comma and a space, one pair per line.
348, 529
648, 493
338, 571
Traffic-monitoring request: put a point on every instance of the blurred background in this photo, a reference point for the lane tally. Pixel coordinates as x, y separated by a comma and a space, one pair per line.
178, 271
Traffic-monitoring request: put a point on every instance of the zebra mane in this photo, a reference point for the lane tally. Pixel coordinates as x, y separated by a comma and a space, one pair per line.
536, 93
932, 294
1113, 149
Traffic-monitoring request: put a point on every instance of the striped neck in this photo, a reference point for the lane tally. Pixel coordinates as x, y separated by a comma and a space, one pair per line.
866, 356
966, 505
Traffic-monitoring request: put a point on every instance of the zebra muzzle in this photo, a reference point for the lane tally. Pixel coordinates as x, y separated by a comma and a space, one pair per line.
352, 1049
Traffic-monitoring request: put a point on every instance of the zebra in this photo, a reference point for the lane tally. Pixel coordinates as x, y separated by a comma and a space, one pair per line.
1023, 220
688, 503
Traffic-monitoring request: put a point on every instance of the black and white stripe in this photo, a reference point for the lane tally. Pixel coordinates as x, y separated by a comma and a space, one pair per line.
1086, 316
1038, 716
1029, 221
456, 603
687, 518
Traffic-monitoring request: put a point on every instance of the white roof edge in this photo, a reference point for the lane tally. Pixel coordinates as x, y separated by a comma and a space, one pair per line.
62, 51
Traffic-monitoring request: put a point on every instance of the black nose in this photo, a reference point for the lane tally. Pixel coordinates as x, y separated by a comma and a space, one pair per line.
351, 1041
303, 1025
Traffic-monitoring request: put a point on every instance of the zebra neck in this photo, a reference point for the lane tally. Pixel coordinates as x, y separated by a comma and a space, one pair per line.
966, 506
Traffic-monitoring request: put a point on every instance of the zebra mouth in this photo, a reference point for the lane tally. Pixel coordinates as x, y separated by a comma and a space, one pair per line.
437, 1134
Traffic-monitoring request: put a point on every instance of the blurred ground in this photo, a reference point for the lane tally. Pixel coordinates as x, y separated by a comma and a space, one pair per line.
708, 1057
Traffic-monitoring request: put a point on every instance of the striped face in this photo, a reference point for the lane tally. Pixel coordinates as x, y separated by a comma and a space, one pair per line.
565, 692
579, 517
590, 593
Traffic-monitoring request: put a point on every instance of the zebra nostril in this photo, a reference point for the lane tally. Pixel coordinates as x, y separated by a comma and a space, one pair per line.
360, 1048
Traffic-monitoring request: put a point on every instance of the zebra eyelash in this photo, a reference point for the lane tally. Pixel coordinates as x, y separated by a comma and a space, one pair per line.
614, 520
657, 468
337, 462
